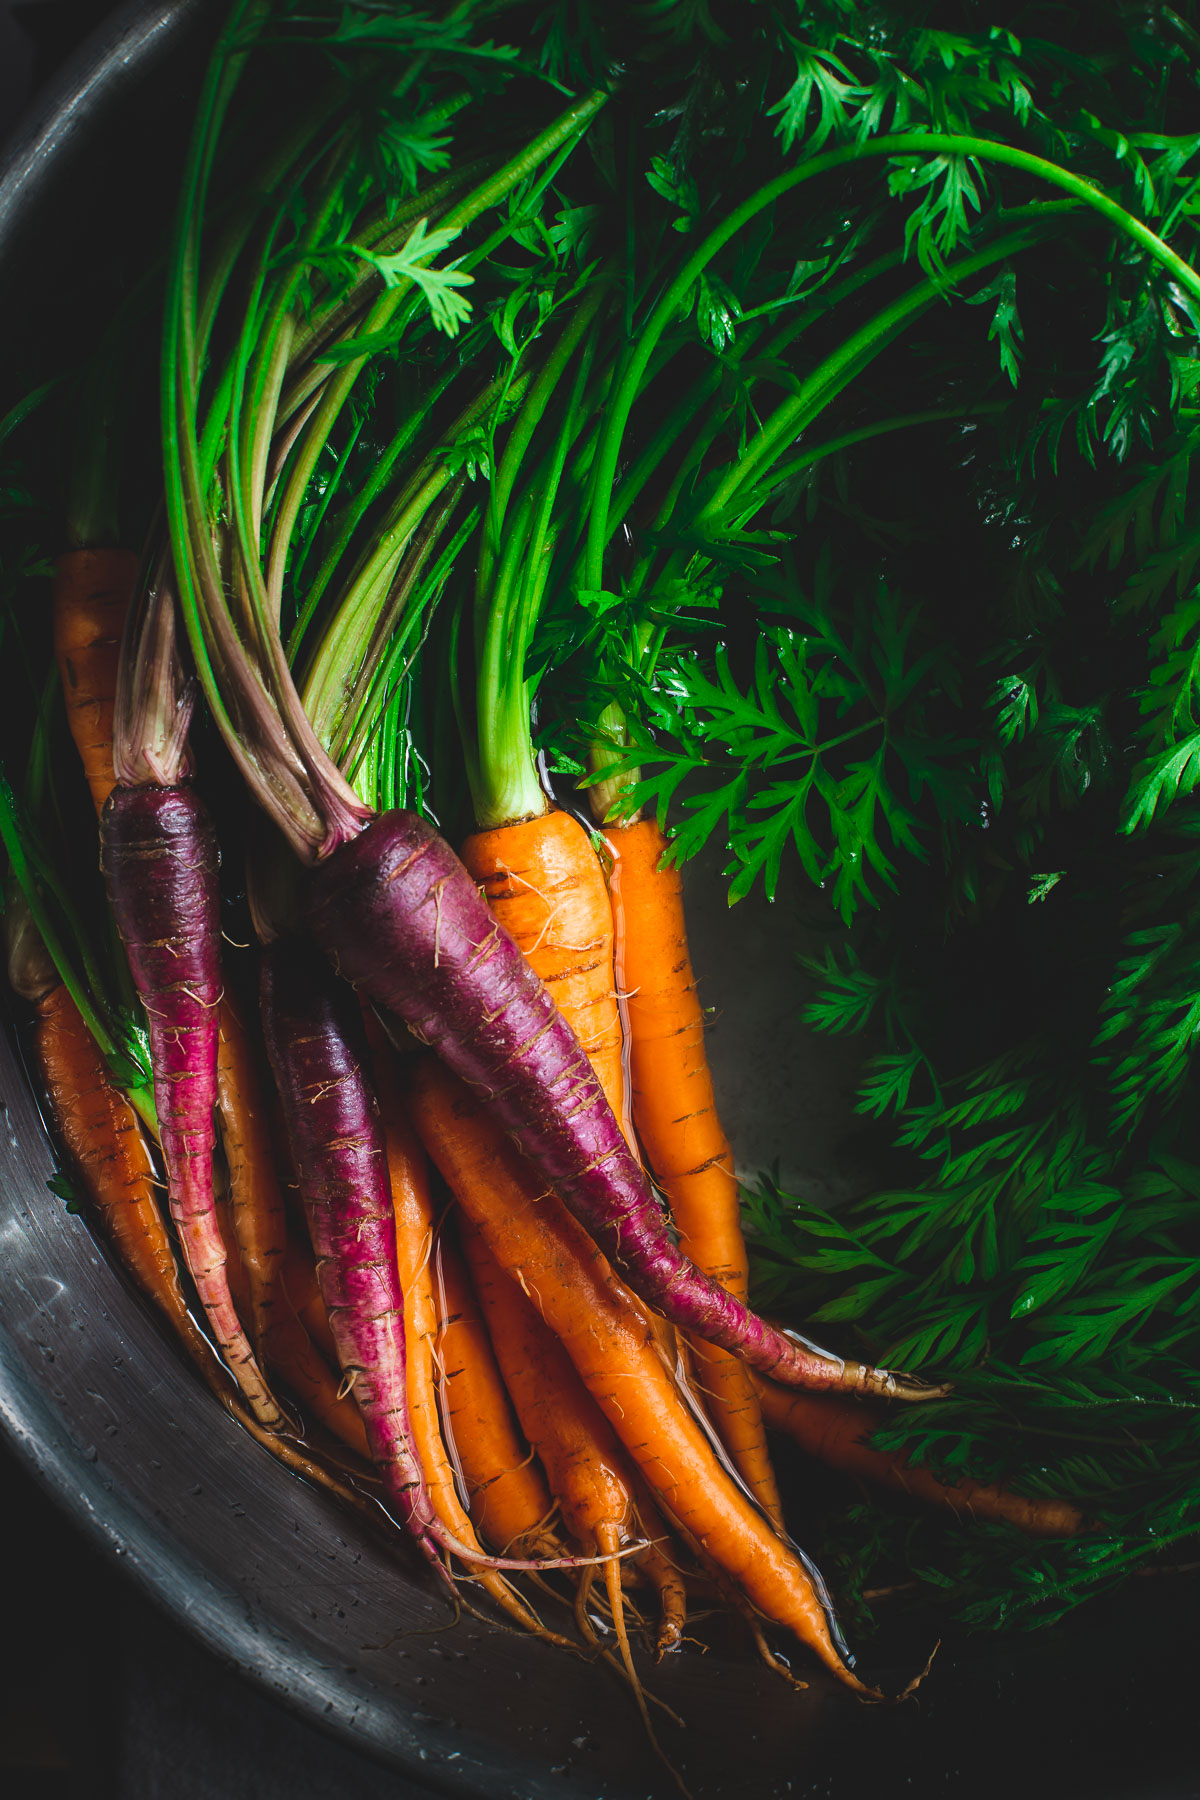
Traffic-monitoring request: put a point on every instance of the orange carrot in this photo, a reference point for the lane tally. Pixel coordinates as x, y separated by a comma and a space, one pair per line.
289, 1350
239, 1281
837, 1431
507, 1487
302, 1293
657, 1563
542, 880
675, 1114
92, 592
509, 1499
104, 1137
259, 1223
538, 1243
415, 1225
583, 1461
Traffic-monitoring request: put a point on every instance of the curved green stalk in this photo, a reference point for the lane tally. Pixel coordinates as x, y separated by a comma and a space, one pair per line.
390, 232
904, 143
862, 435
820, 387
399, 619
255, 708
836, 371
354, 511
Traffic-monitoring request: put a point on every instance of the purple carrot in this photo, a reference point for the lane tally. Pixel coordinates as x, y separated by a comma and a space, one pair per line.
402, 919
158, 853
318, 1051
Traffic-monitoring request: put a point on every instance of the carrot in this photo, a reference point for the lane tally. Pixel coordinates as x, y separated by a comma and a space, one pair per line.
302, 1294
103, 1137
675, 1113
415, 1226
290, 1351
657, 1564
508, 1491
509, 1498
400, 918
139, 828
259, 1222
578, 1450
239, 1281
317, 1052
605, 1333
542, 879
158, 854
102, 1133
91, 597
838, 1431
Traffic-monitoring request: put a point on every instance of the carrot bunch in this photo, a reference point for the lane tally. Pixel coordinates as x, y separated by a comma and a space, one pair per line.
454, 1198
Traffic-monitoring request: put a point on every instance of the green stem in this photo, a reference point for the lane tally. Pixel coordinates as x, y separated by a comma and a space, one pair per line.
905, 143
330, 321
565, 131
345, 642
836, 371
820, 387
352, 514
526, 423
505, 785
398, 622
863, 434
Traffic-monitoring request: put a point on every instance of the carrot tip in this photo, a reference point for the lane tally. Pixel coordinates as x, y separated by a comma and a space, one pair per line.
914, 1684
890, 1384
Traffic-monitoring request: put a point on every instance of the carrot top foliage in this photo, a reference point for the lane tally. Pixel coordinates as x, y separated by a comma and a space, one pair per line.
1010, 843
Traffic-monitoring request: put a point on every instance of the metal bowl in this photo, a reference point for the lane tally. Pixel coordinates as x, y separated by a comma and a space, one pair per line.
267, 1570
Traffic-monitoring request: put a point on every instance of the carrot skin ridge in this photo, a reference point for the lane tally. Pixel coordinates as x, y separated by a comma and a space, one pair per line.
574, 1441
604, 1331
318, 1054
837, 1431
402, 921
584, 1463
158, 854
675, 1113
304, 1294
